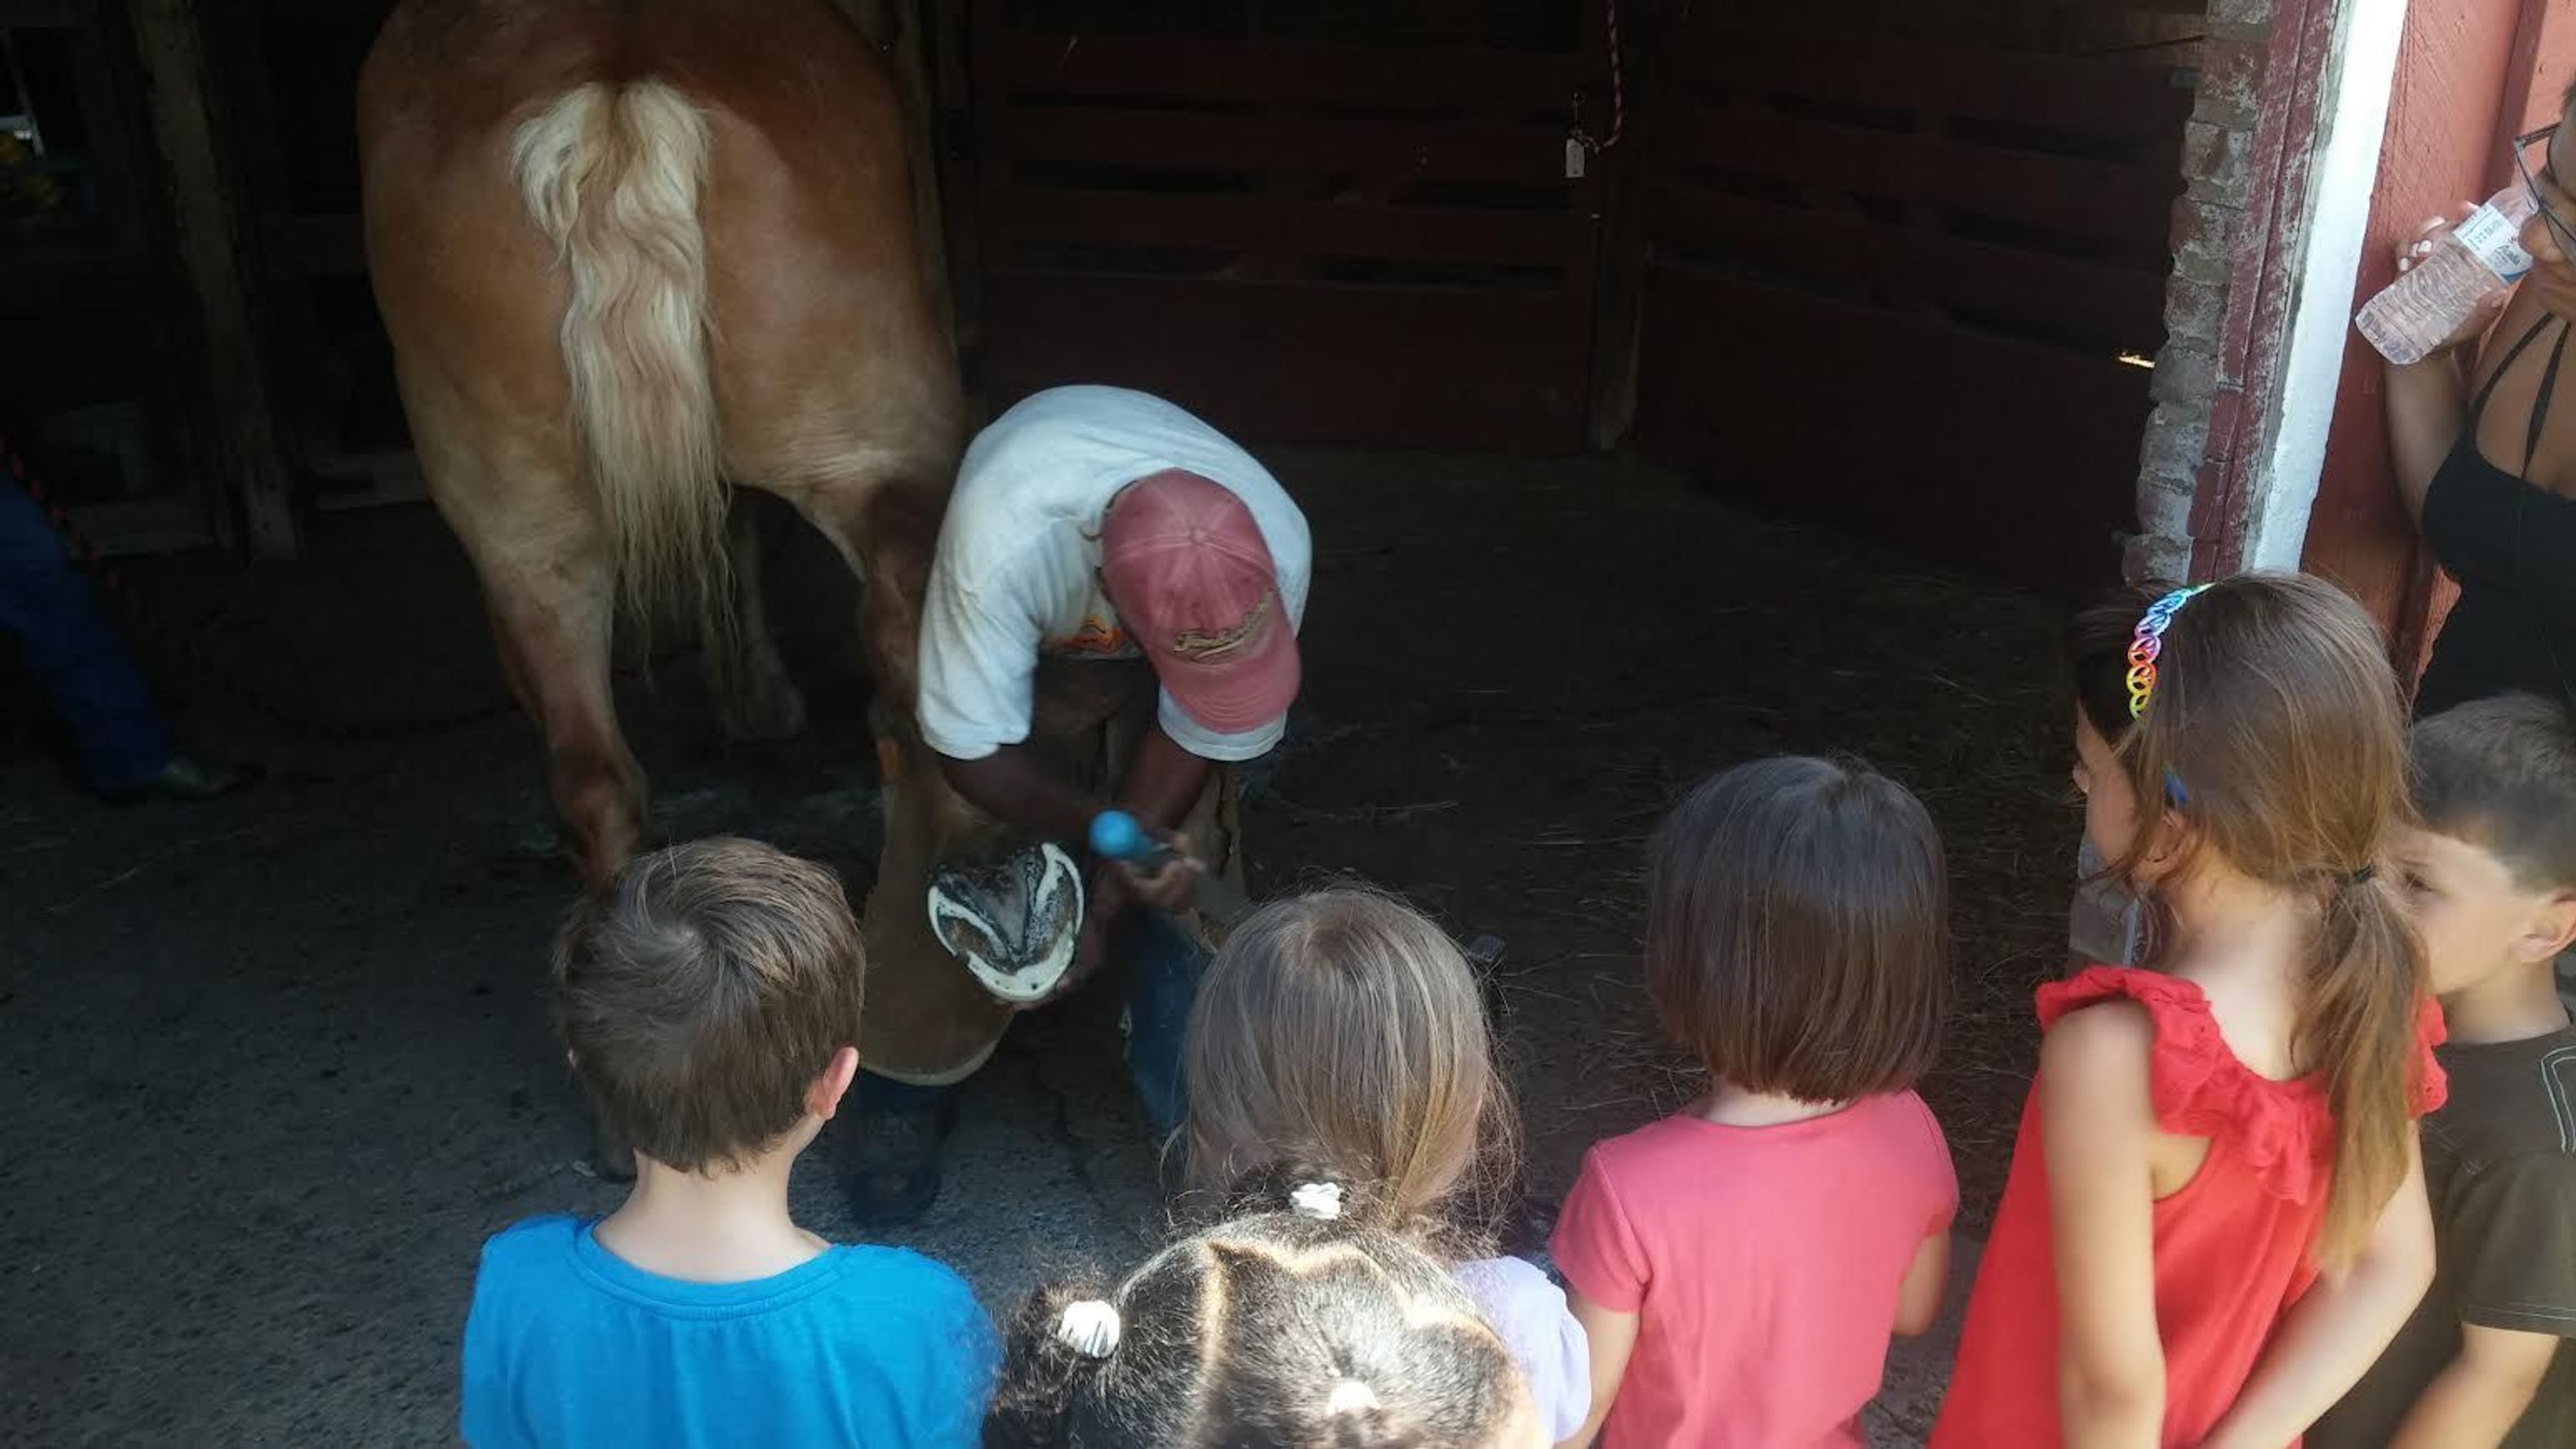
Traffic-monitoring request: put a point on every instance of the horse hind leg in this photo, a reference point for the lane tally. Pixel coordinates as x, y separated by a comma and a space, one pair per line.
540, 549
747, 684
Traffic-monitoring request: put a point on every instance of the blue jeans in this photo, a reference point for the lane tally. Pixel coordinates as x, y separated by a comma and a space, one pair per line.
1163, 970
76, 658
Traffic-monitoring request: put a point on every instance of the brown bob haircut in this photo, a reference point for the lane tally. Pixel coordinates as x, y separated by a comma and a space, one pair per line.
703, 993
1797, 932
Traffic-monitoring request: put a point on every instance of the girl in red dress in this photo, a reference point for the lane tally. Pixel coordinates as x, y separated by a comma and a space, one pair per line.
2215, 1218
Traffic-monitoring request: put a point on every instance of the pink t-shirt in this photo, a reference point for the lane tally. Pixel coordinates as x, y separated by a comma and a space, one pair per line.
1764, 1263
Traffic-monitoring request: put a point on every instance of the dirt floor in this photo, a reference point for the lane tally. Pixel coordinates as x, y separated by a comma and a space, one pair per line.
278, 1064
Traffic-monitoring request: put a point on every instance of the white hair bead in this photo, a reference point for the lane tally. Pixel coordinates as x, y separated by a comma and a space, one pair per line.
1350, 1396
1317, 1200
1089, 1328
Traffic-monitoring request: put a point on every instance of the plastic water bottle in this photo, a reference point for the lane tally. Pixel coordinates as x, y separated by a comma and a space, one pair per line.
2430, 301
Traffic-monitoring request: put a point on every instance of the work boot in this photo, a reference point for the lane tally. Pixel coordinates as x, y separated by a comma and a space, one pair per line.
891, 1135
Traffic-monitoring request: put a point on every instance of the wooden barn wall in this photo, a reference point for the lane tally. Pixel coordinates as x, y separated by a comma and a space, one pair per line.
1327, 224
1357, 221
1909, 289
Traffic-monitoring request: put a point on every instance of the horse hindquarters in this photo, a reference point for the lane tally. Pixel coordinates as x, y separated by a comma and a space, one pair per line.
557, 383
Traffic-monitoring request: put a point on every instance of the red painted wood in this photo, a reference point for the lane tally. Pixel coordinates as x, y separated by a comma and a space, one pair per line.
2289, 79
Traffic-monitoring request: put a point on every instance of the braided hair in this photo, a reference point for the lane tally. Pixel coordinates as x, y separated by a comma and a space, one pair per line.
1312, 1322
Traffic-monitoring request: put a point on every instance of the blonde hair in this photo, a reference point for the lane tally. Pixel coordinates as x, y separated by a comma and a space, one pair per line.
2276, 734
1342, 1034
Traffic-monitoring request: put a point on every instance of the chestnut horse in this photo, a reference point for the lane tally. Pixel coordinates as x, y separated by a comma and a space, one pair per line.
631, 253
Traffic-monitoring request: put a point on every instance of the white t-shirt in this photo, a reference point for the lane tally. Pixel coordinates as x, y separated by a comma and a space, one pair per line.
1018, 572
1528, 1312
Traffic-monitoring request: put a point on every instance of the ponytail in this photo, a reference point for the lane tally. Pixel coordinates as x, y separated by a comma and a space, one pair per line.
1042, 1369
1310, 1187
2357, 1021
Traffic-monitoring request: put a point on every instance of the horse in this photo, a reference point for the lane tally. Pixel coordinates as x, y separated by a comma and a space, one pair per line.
647, 266
631, 253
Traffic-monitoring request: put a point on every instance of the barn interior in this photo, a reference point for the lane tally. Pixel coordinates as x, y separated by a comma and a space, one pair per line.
1665, 384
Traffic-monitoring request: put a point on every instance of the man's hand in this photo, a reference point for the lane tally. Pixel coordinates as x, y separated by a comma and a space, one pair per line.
1115, 888
1173, 882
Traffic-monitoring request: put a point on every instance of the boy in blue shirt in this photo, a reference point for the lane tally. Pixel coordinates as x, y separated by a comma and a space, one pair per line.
709, 1000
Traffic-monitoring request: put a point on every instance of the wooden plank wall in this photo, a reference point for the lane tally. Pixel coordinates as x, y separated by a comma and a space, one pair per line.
1911, 290
1305, 241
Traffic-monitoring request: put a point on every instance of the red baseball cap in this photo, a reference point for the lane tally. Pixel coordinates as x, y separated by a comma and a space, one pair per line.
1186, 567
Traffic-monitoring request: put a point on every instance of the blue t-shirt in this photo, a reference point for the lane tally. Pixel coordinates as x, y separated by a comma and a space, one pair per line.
569, 1345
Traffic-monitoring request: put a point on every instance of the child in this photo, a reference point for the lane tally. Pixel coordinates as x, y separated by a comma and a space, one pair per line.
1341, 1034
2486, 1361
1298, 1329
1739, 1267
709, 1000
2207, 1136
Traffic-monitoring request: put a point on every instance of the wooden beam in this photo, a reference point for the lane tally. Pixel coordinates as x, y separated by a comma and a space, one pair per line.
236, 430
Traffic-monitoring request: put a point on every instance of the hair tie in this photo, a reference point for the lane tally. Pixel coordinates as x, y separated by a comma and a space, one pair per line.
1322, 1200
2149, 642
1089, 1328
2363, 876
1350, 1396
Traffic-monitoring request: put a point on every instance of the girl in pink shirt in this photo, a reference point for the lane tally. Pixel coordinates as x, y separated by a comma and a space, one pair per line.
1739, 1268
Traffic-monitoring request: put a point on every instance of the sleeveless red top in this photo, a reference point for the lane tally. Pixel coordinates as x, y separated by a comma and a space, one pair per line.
2232, 1247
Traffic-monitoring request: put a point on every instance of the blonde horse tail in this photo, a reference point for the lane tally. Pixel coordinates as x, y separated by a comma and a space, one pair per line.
612, 176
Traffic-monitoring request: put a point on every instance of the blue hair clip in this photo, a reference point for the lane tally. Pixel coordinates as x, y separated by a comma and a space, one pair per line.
2175, 794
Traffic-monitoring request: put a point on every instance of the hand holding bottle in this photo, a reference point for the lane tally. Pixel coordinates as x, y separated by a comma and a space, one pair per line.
2488, 307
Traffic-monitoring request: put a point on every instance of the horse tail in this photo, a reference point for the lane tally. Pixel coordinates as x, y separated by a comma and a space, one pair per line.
612, 175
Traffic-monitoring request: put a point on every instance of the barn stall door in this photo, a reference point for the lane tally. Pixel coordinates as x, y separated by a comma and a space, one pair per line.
1911, 291
1302, 240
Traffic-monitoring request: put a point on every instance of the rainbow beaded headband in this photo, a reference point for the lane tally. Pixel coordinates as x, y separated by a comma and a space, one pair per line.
2149, 642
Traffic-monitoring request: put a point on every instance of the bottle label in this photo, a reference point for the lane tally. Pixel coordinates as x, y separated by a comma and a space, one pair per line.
2492, 237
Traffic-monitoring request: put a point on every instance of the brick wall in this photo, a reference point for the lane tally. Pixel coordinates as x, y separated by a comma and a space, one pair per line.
2211, 226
